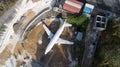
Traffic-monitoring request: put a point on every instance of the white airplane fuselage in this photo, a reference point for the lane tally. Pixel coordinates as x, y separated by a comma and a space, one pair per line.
55, 38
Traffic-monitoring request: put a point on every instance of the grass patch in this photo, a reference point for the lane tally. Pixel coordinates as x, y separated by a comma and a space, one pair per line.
79, 21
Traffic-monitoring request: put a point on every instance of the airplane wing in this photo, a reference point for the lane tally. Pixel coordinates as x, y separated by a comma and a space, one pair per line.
62, 41
49, 33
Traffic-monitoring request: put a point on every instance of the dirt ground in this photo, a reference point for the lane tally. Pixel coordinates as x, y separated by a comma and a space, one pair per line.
35, 0
31, 42
60, 51
29, 15
5, 54
36, 50
18, 26
59, 58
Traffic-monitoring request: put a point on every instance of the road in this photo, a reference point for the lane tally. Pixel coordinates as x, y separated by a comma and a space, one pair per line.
46, 8
33, 20
101, 5
91, 40
21, 7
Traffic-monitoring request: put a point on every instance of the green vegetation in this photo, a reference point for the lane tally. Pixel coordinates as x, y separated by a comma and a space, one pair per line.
5, 5
80, 21
108, 50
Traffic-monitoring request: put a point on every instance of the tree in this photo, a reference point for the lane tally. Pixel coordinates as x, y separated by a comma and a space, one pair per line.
108, 50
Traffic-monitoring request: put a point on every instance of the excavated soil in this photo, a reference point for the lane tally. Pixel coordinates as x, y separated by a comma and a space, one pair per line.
36, 50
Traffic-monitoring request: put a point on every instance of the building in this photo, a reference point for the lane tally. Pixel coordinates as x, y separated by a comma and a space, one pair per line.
88, 9
100, 21
72, 6
79, 36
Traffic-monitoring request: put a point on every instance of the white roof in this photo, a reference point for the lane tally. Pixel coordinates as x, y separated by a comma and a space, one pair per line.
89, 5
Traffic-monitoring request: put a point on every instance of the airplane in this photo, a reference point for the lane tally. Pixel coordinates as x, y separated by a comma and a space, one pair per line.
54, 38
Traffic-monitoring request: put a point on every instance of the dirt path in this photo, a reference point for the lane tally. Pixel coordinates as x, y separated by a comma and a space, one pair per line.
29, 15
35, 0
24, 21
31, 42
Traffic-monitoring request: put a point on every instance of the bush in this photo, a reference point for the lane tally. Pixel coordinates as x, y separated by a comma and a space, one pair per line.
80, 22
77, 20
2, 27
108, 50
5, 5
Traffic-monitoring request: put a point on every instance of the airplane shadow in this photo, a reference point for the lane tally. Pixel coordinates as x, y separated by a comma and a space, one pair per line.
40, 56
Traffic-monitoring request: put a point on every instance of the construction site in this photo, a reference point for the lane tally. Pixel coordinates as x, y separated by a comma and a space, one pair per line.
35, 42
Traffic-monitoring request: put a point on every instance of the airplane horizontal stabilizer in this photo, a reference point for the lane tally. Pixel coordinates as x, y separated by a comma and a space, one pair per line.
62, 41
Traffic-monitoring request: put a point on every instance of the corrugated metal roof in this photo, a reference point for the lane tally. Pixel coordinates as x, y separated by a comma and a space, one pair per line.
73, 6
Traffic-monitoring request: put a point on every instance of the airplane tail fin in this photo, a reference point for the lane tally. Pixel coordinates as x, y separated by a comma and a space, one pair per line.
61, 21
64, 22
68, 25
